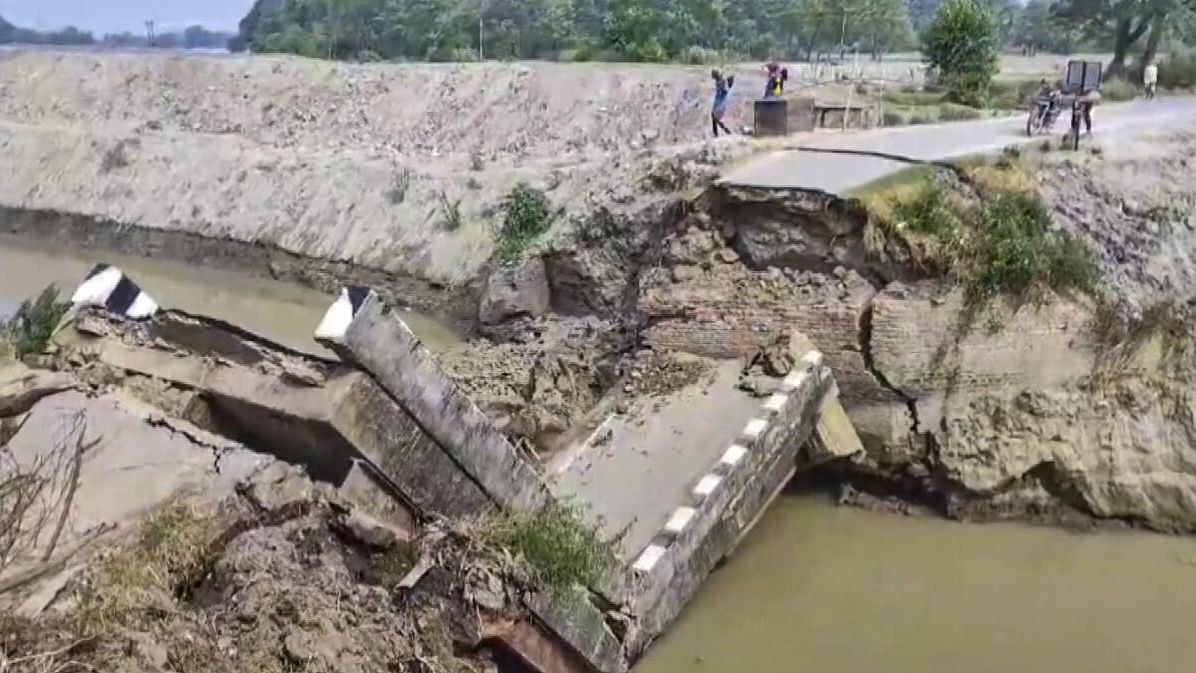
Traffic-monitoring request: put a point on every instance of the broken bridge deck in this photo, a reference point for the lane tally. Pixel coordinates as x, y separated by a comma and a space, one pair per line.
636, 467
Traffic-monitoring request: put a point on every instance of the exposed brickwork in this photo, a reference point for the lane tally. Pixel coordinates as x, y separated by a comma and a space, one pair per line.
715, 318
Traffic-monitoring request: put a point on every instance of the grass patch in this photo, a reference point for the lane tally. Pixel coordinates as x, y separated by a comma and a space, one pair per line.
556, 544
890, 118
400, 185
954, 112
1002, 245
1118, 89
450, 212
1178, 70
1012, 95
528, 217
913, 97
30, 328
175, 547
1013, 251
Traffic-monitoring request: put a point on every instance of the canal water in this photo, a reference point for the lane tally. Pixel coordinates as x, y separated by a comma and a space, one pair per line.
823, 589
284, 312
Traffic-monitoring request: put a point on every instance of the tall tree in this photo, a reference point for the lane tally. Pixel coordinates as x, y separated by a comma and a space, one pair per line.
961, 46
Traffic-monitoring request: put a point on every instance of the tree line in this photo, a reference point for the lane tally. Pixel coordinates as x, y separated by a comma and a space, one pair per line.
691, 31
193, 37
632, 30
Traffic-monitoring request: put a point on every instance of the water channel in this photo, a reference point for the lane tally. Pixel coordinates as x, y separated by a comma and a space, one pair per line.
284, 312
815, 588
823, 589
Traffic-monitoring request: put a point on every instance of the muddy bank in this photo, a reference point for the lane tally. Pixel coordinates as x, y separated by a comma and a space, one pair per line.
296, 155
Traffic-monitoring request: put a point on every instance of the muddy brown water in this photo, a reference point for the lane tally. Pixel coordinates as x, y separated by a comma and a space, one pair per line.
283, 312
822, 589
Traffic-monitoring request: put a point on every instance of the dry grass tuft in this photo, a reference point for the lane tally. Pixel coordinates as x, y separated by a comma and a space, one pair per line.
175, 547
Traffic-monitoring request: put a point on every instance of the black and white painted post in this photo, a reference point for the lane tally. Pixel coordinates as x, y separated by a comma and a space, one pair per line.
340, 315
108, 287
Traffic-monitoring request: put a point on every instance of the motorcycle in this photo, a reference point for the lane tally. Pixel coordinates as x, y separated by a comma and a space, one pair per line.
1042, 115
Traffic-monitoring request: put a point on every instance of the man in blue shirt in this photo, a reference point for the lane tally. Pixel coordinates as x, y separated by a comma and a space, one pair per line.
722, 96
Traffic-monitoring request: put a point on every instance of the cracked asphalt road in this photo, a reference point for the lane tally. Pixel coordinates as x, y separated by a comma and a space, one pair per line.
808, 168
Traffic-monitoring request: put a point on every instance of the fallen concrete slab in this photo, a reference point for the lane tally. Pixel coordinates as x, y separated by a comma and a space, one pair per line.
100, 465
327, 416
363, 330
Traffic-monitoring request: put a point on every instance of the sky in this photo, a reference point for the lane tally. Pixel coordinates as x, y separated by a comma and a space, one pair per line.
115, 16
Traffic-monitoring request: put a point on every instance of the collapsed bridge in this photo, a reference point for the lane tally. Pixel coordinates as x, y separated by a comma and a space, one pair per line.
673, 492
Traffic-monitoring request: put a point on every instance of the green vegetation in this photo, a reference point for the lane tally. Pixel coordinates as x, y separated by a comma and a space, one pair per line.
528, 217
450, 212
1014, 252
913, 96
562, 550
10, 34
953, 113
30, 328
961, 46
191, 38
1002, 245
1014, 95
1118, 89
690, 31
1178, 70
1120, 24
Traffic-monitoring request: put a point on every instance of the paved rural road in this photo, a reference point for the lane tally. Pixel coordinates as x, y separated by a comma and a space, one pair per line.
807, 168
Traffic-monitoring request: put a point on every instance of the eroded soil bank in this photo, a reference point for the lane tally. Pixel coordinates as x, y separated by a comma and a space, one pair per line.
1044, 409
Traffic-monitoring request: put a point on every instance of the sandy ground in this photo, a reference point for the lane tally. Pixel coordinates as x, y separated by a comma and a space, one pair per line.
401, 168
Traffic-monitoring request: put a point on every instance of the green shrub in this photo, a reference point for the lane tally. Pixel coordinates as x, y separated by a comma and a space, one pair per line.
918, 119
910, 96
929, 211
450, 212
890, 118
961, 46
1012, 95
1015, 252
695, 55
1118, 89
30, 328
1178, 70
951, 112
1003, 246
528, 216
559, 547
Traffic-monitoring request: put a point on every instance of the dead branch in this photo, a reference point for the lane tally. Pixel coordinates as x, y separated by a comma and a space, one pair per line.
39, 494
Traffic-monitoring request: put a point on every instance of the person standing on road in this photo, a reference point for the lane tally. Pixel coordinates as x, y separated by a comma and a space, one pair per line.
1084, 104
777, 76
722, 97
1150, 78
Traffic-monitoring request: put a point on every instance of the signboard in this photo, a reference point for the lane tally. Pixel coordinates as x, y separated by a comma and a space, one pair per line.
1082, 76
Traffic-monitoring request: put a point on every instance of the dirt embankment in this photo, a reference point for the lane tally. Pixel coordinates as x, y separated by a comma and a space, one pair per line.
395, 168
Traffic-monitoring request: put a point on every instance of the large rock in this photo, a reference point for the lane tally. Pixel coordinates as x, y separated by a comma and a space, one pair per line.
516, 292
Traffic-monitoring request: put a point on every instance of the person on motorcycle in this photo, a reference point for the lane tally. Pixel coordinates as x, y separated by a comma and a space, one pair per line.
1050, 94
